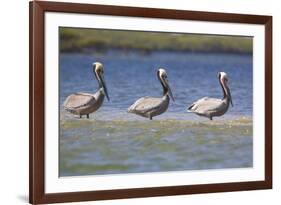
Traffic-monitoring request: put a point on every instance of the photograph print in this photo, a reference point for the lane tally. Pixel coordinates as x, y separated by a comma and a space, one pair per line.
142, 102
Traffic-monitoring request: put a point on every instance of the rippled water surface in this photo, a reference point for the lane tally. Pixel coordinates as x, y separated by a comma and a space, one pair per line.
113, 141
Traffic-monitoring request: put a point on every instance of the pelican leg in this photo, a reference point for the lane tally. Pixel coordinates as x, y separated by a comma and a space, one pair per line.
211, 118
80, 116
87, 116
150, 117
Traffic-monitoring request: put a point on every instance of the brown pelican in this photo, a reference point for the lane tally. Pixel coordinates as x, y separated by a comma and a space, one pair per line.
152, 106
211, 107
86, 103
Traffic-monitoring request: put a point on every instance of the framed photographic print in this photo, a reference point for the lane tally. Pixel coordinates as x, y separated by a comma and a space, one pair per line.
139, 102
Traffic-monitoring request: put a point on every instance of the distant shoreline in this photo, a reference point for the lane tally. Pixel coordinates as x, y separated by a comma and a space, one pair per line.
87, 51
101, 41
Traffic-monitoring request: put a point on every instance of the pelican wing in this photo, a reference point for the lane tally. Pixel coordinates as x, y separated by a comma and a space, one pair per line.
78, 100
145, 104
206, 104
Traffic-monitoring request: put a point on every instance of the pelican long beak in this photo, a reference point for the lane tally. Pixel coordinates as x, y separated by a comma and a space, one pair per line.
103, 84
169, 90
229, 96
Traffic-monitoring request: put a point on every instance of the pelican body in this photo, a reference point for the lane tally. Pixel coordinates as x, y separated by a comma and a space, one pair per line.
212, 107
152, 106
87, 103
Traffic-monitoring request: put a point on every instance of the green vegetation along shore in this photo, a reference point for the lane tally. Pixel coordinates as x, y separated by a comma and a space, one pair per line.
83, 40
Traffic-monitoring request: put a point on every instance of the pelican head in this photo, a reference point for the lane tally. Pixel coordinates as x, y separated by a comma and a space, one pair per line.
163, 78
222, 76
98, 71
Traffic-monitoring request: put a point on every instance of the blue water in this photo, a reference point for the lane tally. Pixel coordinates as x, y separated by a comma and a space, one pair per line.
131, 76
114, 141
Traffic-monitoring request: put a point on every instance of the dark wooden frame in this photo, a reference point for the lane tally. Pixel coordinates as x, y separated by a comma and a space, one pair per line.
36, 107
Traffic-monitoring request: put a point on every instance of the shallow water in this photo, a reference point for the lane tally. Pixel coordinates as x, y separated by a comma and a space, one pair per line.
113, 141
